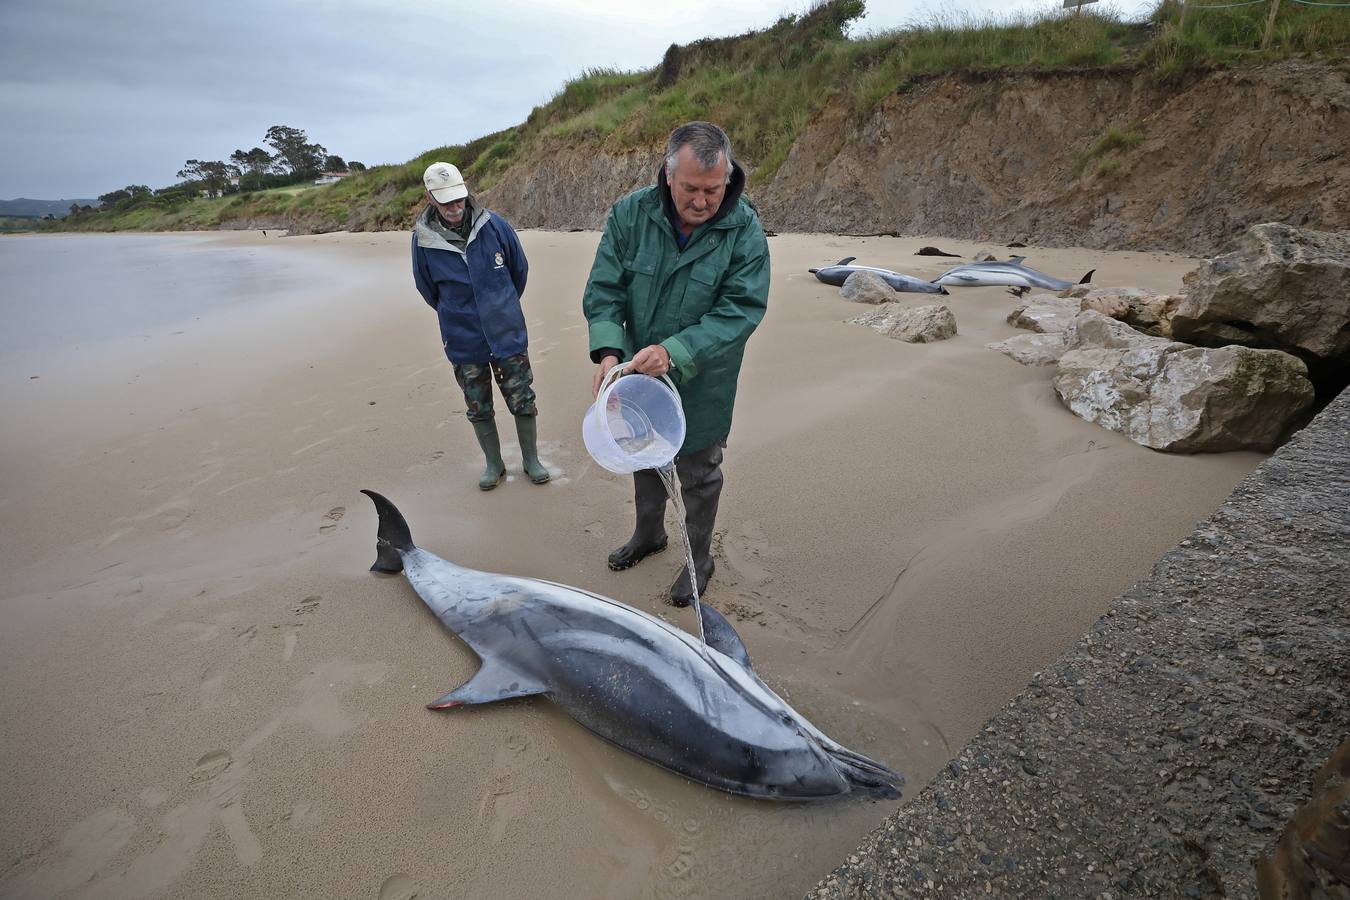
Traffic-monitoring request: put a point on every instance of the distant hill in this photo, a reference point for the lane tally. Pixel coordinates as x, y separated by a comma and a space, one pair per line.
36, 209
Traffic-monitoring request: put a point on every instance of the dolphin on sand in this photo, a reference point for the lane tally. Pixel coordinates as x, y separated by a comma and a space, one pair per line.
837, 273
632, 679
1010, 273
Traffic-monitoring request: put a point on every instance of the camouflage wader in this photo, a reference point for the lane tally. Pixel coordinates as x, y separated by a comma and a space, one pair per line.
513, 376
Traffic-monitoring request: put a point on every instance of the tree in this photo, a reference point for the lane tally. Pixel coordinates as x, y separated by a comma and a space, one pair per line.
126, 194
255, 161
294, 149
334, 163
355, 166
212, 176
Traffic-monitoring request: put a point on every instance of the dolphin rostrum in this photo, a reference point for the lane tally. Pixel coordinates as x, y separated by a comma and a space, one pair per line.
632, 679
1010, 273
837, 273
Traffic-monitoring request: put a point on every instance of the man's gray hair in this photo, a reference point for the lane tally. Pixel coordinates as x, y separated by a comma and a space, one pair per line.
708, 143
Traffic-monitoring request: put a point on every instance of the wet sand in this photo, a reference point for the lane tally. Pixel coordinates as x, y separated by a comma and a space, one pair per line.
207, 694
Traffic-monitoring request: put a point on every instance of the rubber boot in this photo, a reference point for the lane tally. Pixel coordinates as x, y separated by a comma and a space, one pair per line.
527, 430
700, 489
495, 470
649, 502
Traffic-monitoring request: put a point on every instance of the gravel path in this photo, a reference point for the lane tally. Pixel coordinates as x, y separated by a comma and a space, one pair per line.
1167, 747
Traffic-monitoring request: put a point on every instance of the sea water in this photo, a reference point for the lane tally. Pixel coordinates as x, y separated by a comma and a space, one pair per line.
63, 292
647, 450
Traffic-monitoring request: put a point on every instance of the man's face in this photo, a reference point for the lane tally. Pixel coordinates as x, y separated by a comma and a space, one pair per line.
452, 212
697, 193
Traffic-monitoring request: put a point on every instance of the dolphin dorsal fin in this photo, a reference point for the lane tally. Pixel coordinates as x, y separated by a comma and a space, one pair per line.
846, 260
492, 682
719, 634
1017, 259
1087, 279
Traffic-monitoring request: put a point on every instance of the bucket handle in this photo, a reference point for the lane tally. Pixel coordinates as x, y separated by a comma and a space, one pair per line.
615, 372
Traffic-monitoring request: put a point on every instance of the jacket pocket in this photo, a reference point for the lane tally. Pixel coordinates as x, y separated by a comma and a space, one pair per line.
639, 276
699, 291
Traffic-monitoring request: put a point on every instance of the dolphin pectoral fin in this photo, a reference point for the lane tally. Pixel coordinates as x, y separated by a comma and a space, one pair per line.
719, 634
1017, 260
490, 684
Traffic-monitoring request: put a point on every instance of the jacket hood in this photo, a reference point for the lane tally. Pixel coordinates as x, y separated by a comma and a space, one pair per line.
429, 237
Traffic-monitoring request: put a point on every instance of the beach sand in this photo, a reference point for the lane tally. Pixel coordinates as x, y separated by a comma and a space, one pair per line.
207, 694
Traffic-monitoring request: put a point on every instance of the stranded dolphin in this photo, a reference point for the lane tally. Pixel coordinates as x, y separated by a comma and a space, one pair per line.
837, 273
1010, 273
631, 678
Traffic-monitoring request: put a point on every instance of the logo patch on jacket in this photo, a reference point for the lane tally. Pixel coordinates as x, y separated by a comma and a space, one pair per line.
500, 261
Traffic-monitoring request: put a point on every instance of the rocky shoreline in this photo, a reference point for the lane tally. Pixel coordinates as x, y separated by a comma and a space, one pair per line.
1168, 747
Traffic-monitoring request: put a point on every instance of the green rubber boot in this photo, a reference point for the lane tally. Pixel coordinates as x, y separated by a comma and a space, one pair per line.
495, 471
527, 429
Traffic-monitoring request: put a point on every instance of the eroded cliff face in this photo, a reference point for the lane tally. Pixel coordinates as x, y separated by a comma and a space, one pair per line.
994, 158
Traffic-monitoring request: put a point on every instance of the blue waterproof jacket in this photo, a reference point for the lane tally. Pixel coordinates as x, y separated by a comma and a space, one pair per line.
475, 290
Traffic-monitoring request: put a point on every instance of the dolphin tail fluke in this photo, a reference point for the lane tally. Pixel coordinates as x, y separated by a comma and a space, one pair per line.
393, 535
867, 774
1087, 279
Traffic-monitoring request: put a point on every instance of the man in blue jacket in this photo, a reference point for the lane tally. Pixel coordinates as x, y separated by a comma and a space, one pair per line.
469, 266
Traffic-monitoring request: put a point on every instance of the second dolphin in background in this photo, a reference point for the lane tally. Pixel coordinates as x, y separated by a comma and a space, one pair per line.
839, 272
1007, 273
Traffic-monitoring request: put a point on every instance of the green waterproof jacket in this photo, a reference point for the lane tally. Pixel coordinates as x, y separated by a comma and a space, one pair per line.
700, 303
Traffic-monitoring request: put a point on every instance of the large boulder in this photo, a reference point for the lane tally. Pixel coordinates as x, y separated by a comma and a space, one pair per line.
1140, 309
867, 287
915, 324
1172, 396
1282, 288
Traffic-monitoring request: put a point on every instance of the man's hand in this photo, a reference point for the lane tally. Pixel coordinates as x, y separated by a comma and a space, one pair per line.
651, 360
601, 371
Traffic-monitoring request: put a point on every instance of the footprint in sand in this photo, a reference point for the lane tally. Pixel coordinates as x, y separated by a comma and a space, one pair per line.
430, 460
211, 765
332, 517
308, 605
399, 887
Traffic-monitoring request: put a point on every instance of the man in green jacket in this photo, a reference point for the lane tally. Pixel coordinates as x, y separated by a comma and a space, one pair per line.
679, 282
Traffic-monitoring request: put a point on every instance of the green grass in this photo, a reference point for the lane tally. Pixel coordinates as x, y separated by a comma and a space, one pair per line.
1108, 151
1215, 37
765, 86
12, 224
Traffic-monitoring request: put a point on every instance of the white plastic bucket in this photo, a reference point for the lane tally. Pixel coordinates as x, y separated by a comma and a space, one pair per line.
635, 423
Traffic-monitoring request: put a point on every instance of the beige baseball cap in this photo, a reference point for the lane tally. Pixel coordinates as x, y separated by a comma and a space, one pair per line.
444, 182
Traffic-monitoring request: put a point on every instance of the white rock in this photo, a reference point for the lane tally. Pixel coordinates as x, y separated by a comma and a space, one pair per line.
867, 287
1032, 349
915, 324
1044, 313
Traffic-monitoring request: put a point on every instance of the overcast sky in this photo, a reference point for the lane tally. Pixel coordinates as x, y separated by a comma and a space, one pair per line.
97, 95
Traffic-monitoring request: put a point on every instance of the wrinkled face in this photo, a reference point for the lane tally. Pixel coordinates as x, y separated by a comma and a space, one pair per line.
697, 192
452, 212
